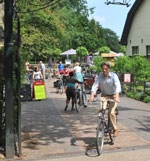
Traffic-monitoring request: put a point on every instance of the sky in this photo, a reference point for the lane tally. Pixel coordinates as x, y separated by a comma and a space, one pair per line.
110, 16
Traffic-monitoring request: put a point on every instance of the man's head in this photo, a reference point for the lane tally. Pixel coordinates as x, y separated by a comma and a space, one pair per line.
106, 68
71, 74
66, 66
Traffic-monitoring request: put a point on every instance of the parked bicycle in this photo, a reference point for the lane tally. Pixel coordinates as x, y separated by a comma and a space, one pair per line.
80, 98
28, 77
104, 128
60, 85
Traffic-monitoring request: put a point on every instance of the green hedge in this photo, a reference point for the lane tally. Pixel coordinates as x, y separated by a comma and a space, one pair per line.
142, 96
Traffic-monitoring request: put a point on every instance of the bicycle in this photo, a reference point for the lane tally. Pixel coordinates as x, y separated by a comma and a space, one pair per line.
80, 98
60, 85
104, 127
28, 77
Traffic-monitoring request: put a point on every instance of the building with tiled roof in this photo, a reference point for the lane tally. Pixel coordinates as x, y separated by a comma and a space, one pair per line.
136, 33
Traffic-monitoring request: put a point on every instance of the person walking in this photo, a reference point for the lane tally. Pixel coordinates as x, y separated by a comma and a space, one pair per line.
60, 66
37, 74
78, 72
110, 88
42, 68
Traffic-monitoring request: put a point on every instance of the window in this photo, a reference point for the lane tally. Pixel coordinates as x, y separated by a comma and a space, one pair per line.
148, 52
135, 50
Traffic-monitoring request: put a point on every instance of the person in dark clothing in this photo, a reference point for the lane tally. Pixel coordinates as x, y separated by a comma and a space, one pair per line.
70, 90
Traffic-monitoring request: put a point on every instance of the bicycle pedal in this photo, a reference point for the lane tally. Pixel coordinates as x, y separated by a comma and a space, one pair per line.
111, 142
85, 105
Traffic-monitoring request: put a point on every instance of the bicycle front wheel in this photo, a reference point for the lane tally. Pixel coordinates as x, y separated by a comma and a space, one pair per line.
100, 136
61, 89
84, 99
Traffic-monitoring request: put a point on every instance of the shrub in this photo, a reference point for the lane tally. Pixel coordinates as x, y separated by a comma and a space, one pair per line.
147, 92
140, 96
131, 94
104, 49
146, 99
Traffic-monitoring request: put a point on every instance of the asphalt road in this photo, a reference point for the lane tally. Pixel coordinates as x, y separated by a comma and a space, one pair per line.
136, 116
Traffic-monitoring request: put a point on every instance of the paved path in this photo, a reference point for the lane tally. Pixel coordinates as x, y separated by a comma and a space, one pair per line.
49, 132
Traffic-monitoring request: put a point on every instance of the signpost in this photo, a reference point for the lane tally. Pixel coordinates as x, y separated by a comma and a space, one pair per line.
127, 77
39, 90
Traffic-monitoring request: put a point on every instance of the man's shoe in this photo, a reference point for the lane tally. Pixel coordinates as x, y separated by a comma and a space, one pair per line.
66, 108
116, 133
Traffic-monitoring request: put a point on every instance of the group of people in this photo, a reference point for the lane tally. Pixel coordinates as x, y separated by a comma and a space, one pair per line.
71, 79
108, 81
109, 85
39, 71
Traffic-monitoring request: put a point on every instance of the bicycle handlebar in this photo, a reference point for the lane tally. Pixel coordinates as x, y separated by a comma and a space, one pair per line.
108, 100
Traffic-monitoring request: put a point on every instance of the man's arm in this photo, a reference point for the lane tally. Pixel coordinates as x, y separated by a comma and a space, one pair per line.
118, 88
117, 98
94, 89
91, 97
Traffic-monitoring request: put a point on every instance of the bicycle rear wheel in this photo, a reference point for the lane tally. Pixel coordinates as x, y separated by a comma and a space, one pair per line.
100, 136
78, 103
61, 89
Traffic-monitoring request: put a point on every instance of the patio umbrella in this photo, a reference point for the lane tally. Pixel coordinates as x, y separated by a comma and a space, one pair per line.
69, 52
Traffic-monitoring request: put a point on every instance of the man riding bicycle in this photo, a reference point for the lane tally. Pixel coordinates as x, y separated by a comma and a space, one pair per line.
110, 88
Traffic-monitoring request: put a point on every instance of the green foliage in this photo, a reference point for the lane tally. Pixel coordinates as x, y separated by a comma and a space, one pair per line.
140, 67
130, 94
93, 68
123, 64
147, 91
137, 65
56, 53
81, 51
139, 96
147, 99
123, 49
97, 62
104, 49
62, 25
112, 40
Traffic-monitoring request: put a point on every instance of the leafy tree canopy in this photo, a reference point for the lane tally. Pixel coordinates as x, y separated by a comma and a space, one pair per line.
104, 49
47, 25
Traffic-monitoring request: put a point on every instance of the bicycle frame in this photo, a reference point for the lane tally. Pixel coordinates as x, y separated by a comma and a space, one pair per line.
80, 100
60, 86
103, 128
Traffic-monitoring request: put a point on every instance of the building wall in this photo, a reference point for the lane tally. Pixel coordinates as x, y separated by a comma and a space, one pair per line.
1, 23
139, 34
